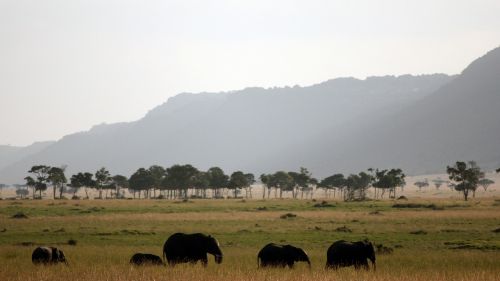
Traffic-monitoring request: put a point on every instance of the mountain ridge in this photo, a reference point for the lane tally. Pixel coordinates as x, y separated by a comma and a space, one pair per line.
229, 129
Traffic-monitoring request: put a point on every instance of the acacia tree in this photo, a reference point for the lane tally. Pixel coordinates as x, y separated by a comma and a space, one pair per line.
119, 182
141, 180
485, 183
217, 181
356, 186
466, 176
157, 172
389, 180
102, 180
438, 182
84, 180
200, 184
249, 182
41, 173
58, 179
22, 190
334, 182
421, 184
237, 181
300, 181
265, 180
180, 178
283, 181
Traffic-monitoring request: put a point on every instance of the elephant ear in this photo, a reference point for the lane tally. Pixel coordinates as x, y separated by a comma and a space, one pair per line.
55, 253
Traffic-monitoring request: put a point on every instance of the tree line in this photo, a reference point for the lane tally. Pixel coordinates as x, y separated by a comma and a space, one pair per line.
186, 181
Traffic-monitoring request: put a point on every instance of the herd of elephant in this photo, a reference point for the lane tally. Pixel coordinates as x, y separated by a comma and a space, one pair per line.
191, 248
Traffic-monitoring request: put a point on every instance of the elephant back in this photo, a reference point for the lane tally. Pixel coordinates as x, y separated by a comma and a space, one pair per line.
41, 255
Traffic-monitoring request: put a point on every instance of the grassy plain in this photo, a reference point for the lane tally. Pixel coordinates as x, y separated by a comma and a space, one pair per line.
436, 239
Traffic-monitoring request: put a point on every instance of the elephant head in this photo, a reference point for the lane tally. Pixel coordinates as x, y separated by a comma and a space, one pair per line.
297, 254
369, 252
58, 256
214, 249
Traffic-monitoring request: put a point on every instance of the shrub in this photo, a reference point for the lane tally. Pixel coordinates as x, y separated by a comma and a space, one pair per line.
288, 215
19, 215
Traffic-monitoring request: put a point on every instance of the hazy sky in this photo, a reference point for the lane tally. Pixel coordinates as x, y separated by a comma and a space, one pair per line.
68, 65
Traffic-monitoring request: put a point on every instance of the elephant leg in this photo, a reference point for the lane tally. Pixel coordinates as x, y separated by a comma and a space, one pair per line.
365, 265
204, 261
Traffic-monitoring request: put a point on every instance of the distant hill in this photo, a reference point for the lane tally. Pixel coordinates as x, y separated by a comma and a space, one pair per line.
460, 121
255, 129
10, 154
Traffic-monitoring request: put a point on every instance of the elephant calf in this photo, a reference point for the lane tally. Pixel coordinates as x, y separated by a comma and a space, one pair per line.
281, 255
342, 253
146, 259
48, 255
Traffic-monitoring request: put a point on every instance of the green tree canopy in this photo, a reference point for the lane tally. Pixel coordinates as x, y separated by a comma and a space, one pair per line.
237, 180
102, 179
180, 177
41, 173
141, 180
389, 180
57, 177
466, 175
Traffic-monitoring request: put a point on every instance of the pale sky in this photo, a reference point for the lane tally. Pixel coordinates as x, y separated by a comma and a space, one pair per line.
68, 65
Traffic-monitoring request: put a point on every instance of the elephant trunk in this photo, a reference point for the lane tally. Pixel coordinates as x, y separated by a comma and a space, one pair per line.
218, 259
309, 263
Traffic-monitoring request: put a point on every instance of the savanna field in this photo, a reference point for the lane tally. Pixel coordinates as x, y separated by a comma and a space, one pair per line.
431, 239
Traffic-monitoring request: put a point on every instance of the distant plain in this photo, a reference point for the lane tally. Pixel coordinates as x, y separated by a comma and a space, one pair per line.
439, 238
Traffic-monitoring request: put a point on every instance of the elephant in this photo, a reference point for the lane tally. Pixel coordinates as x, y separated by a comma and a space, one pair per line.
48, 255
343, 253
275, 255
146, 259
183, 248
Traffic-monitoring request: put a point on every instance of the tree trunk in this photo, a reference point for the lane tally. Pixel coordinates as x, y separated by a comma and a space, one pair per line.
54, 189
61, 189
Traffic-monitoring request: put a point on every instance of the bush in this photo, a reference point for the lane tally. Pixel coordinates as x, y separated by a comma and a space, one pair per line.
288, 215
381, 249
323, 204
19, 215
72, 242
419, 232
343, 229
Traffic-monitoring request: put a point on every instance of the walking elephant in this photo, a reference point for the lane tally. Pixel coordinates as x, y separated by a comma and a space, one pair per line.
343, 253
275, 255
183, 248
48, 255
146, 259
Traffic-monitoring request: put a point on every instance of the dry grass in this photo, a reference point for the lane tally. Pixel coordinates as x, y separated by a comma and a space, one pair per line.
108, 236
